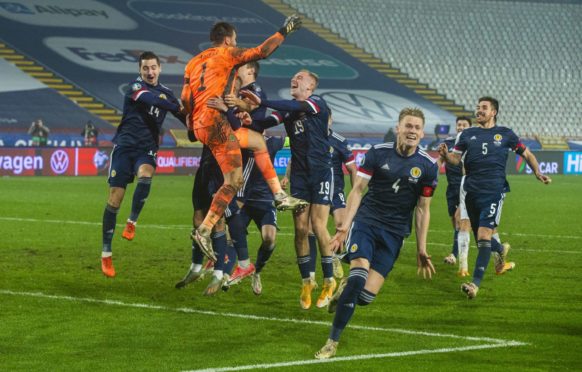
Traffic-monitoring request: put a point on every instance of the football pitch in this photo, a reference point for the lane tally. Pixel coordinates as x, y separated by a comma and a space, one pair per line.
58, 312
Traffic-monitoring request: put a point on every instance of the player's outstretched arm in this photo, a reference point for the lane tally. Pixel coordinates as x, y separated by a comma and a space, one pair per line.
241, 55
532, 161
279, 105
422, 221
450, 157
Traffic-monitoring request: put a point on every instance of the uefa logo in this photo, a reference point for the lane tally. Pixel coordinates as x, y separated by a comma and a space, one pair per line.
59, 162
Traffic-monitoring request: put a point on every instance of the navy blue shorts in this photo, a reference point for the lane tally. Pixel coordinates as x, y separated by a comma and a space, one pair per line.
261, 216
201, 197
125, 162
484, 209
314, 187
338, 201
453, 194
379, 246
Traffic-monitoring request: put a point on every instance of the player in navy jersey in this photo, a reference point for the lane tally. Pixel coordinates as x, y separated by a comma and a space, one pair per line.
341, 155
401, 179
454, 174
306, 123
145, 106
484, 149
257, 205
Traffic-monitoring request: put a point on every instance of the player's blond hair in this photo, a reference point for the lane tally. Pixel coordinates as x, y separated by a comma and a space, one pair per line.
411, 111
313, 75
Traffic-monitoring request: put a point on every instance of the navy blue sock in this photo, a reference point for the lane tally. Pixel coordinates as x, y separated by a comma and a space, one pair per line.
197, 255
496, 246
265, 252
312, 252
327, 266
347, 302
219, 245
142, 190
366, 297
238, 234
230, 258
109, 220
483, 257
304, 265
456, 244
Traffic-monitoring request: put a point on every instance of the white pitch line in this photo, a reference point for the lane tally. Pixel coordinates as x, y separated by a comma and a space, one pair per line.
358, 357
518, 249
249, 316
189, 227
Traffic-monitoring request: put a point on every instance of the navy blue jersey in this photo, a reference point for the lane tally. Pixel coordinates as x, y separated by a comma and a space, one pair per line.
341, 154
255, 191
485, 154
144, 110
454, 172
309, 136
396, 183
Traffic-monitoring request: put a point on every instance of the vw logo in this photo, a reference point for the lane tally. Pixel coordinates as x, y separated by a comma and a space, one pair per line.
59, 161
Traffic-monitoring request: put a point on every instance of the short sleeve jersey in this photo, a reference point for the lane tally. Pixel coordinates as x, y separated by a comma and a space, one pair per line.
485, 152
395, 185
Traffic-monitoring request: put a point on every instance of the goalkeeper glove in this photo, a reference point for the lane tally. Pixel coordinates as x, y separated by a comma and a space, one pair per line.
291, 24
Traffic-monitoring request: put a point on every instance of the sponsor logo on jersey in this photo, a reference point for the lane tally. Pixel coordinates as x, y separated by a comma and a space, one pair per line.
353, 248
116, 55
473, 138
385, 167
66, 13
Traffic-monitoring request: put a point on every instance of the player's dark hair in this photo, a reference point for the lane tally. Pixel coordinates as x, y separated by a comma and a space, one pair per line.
256, 67
148, 55
494, 103
221, 30
465, 118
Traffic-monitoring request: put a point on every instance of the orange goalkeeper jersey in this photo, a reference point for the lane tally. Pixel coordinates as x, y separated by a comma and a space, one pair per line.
211, 74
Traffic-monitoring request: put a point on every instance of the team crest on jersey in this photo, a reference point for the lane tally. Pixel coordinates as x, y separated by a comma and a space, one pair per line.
135, 87
113, 173
353, 248
415, 174
163, 96
497, 139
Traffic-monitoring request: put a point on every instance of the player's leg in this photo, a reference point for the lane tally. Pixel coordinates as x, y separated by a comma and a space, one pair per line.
312, 241
226, 151
268, 225
452, 204
464, 236
255, 141
238, 232
120, 174
219, 245
301, 223
145, 173
361, 245
195, 272
108, 228
319, 216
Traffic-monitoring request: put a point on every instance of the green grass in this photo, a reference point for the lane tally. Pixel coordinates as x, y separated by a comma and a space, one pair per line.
50, 238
